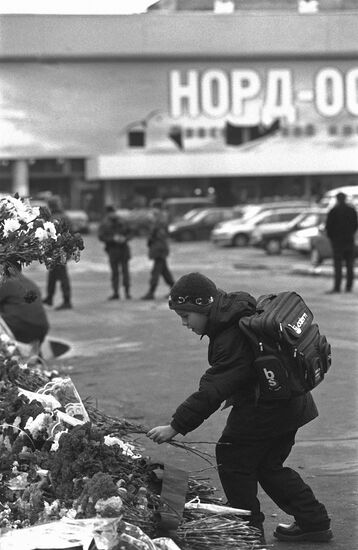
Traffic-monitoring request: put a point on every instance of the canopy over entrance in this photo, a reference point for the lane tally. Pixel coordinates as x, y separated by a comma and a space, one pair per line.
275, 155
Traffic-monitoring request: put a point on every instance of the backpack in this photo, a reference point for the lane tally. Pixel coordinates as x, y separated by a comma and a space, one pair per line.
291, 356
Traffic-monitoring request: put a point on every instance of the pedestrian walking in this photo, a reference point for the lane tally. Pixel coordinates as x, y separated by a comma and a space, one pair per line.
158, 251
258, 435
341, 225
22, 310
115, 233
58, 273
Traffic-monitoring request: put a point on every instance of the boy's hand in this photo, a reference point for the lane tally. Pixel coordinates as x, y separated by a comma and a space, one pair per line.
160, 434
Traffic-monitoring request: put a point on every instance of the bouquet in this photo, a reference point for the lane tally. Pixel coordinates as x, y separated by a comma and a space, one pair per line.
28, 234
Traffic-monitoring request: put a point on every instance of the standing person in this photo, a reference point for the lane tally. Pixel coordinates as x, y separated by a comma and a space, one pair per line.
158, 251
341, 226
115, 233
258, 436
58, 273
22, 309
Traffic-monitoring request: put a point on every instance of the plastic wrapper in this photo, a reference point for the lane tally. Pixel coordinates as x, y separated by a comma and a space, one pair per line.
48, 401
63, 534
64, 390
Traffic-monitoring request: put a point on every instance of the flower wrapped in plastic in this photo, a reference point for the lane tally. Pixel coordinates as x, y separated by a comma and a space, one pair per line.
28, 234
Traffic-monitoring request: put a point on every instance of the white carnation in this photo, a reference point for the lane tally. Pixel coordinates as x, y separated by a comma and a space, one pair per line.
10, 224
41, 234
51, 230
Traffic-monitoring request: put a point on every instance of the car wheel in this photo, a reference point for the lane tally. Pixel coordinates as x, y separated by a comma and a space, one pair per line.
315, 257
273, 246
240, 240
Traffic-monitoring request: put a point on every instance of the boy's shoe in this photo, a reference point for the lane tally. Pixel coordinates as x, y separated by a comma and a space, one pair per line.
293, 533
47, 301
65, 305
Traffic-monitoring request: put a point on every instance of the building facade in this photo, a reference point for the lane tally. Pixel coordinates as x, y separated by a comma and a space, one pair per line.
122, 109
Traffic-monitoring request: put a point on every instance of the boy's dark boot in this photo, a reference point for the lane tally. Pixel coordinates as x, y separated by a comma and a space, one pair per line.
47, 301
294, 533
127, 294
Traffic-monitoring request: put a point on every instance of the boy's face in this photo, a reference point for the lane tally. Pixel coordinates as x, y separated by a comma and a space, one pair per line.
193, 321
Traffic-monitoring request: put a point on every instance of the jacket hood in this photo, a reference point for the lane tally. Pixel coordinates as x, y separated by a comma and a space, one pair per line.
227, 309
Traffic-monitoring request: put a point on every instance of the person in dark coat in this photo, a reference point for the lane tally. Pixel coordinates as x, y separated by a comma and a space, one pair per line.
21, 308
59, 272
258, 436
115, 233
341, 225
158, 251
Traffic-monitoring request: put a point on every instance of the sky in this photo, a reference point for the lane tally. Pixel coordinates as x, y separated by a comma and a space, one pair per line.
74, 6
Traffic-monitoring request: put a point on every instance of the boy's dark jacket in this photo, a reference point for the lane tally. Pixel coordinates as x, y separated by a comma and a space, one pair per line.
231, 378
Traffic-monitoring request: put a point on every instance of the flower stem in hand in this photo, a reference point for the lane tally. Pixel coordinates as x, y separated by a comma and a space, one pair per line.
161, 434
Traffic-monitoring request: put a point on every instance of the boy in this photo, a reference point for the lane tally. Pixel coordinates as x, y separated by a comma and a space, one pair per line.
258, 436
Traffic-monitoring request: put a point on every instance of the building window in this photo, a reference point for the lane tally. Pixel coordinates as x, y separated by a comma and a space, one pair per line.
136, 138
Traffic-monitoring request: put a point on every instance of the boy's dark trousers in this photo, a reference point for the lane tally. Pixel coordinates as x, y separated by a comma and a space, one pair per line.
160, 268
242, 464
59, 273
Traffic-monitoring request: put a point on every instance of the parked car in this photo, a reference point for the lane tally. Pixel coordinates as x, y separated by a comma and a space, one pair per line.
272, 236
238, 232
199, 225
252, 209
178, 206
321, 248
300, 240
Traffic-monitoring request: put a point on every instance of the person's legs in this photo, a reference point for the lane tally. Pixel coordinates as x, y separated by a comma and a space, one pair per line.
349, 261
126, 278
51, 286
154, 279
288, 490
337, 263
237, 467
63, 277
167, 275
114, 267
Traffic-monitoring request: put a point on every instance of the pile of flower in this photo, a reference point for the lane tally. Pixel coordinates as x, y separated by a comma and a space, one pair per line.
28, 234
58, 464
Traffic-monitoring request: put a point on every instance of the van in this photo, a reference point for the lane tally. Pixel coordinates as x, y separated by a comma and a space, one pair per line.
329, 198
177, 207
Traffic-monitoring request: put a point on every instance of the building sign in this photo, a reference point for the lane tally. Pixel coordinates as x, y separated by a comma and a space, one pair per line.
83, 109
216, 93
